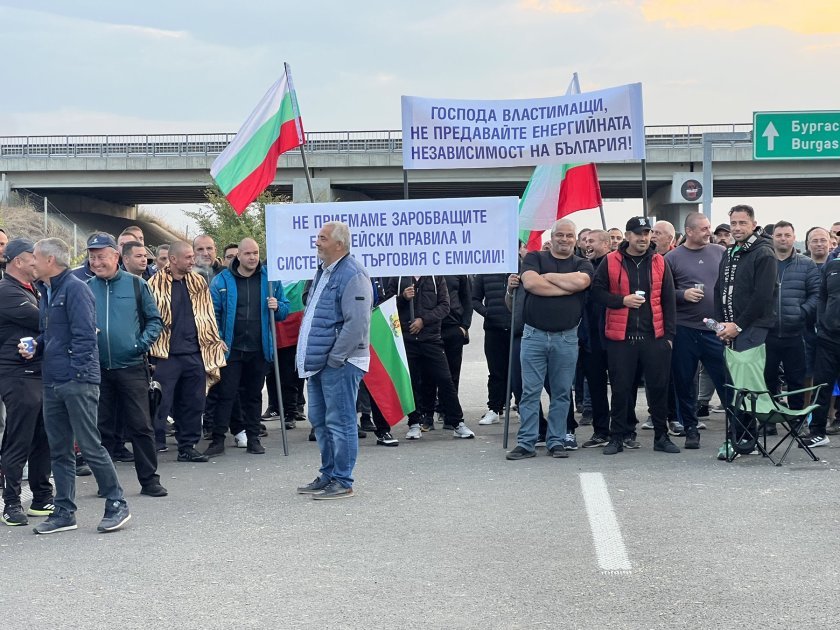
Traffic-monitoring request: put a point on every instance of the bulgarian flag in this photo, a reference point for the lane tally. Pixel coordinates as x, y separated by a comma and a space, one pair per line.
388, 379
555, 191
248, 165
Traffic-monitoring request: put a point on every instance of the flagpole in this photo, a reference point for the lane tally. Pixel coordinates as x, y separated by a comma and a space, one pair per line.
277, 375
510, 368
288, 72
644, 189
603, 218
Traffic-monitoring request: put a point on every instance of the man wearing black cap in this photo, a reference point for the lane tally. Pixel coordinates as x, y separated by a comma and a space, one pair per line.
20, 386
128, 322
723, 235
637, 288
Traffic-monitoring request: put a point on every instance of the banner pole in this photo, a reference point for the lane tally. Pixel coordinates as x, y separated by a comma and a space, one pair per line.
644, 189
301, 137
405, 184
510, 369
277, 376
603, 218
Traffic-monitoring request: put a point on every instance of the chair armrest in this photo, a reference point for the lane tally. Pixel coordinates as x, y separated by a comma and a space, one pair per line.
800, 391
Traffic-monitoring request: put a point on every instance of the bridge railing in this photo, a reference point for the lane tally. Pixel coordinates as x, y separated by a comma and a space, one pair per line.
378, 141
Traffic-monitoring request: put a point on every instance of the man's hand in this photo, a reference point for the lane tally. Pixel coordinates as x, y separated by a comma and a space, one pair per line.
633, 300
463, 331
272, 303
22, 351
513, 282
693, 295
729, 332
408, 293
416, 326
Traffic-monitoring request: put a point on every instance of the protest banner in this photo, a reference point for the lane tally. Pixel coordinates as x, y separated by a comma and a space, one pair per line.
394, 238
601, 126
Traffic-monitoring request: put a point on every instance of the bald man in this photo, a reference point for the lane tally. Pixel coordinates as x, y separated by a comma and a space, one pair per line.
662, 236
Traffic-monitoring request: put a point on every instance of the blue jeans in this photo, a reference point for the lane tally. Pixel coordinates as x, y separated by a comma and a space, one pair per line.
690, 346
545, 356
70, 411
332, 413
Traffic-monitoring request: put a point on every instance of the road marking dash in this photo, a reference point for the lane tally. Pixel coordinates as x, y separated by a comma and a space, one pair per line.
606, 533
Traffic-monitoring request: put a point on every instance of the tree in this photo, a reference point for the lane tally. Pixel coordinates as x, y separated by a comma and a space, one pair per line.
218, 218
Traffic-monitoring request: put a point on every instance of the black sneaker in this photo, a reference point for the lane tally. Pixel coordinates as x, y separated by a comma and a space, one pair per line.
215, 448
386, 439
665, 445
82, 469
812, 441
161, 448
41, 508
520, 453
270, 414
702, 411
189, 454
427, 423
290, 423
362, 434
833, 428
692, 439
586, 418
334, 491
614, 446
56, 522
558, 451
154, 490
13, 516
116, 516
366, 423
312, 437
595, 441
316, 486
255, 447
123, 455
631, 444
207, 435
263, 430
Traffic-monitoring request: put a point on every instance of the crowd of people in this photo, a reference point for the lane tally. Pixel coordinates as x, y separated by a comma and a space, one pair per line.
138, 348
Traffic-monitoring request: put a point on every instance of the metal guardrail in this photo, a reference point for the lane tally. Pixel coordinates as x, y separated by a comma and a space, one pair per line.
184, 145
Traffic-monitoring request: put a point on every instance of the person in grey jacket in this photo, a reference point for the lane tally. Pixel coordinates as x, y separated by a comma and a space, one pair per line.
333, 353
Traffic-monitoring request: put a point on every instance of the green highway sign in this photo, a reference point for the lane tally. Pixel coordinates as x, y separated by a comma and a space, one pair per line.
796, 135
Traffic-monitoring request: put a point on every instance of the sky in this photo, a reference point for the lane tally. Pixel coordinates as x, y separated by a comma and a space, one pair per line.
96, 67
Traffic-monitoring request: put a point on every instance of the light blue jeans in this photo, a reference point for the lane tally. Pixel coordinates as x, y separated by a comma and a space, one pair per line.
332, 413
552, 354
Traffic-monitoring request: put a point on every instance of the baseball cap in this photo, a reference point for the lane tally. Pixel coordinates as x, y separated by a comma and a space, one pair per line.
101, 240
637, 225
17, 246
723, 227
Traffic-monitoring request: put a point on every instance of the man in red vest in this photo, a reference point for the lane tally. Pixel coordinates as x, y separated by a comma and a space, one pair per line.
636, 286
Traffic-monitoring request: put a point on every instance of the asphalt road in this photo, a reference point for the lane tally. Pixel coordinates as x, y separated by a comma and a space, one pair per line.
446, 533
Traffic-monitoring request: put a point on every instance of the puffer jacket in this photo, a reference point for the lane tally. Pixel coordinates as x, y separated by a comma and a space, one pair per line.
19, 318
488, 300
798, 295
828, 325
460, 302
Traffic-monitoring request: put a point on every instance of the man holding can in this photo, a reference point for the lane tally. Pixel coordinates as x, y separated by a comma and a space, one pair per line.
637, 288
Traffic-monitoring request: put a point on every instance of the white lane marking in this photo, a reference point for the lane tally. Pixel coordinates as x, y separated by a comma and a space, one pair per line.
606, 533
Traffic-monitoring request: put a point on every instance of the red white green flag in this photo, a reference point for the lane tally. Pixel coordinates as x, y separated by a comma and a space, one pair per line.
249, 163
388, 379
555, 191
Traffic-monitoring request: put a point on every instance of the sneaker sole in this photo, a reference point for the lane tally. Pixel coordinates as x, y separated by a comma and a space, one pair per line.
13, 524
518, 457
120, 525
487, 424
463, 437
306, 491
330, 497
31, 512
378, 443
66, 528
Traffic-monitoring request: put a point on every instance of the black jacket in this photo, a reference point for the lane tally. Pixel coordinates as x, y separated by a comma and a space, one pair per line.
754, 291
488, 300
798, 294
19, 318
591, 329
828, 321
431, 304
460, 302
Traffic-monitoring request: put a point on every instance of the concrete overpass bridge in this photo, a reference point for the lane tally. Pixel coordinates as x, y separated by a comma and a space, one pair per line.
112, 174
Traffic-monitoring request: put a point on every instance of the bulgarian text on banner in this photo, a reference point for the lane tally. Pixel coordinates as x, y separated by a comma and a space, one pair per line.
394, 238
602, 126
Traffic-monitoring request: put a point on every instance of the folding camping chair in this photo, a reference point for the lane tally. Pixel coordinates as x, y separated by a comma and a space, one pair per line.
753, 407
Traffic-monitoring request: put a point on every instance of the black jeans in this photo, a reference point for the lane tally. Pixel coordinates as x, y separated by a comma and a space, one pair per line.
789, 352
427, 363
594, 366
496, 351
623, 358
453, 346
24, 440
183, 384
291, 386
124, 393
244, 376
826, 370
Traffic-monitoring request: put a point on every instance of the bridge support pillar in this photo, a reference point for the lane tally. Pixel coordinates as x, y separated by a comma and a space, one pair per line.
661, 207
323, 191
77, 203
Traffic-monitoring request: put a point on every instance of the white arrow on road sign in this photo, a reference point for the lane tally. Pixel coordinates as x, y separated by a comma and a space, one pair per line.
771, 134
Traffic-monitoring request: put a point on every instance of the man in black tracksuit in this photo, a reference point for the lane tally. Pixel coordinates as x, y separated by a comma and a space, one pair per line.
423, 303
488, 300
25, 439
637, 288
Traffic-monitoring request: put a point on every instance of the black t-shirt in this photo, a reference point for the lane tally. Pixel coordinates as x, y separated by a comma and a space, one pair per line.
556, 313
184, 339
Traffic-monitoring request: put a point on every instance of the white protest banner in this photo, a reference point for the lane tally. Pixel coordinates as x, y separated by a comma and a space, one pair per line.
398, 238
602, 126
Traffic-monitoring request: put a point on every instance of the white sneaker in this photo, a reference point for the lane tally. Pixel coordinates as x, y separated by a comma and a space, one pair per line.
414, 432
463, 431
701, 426
240, 440
491, 417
